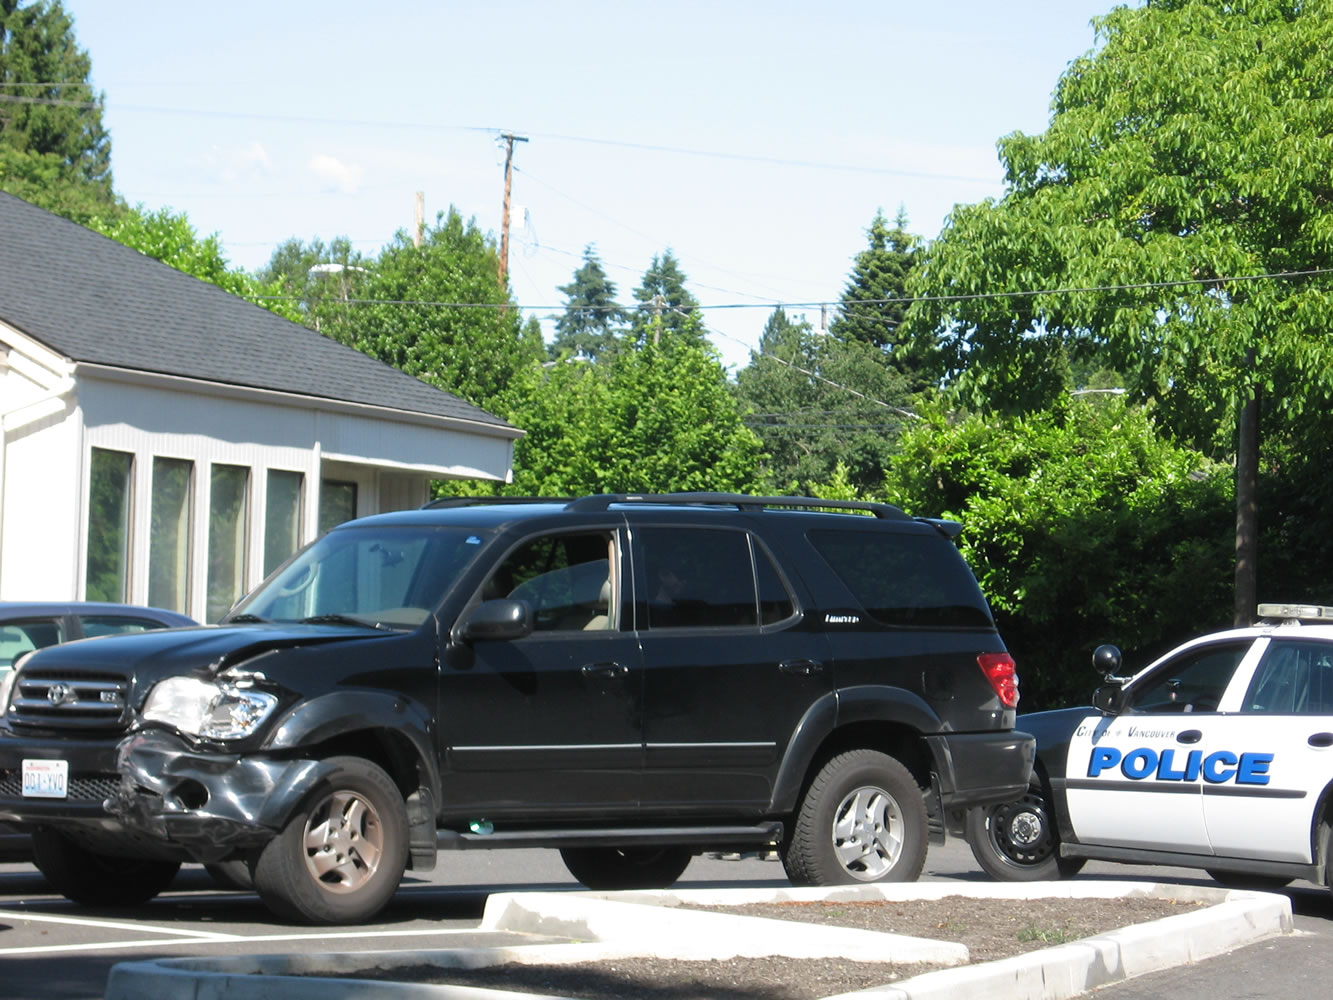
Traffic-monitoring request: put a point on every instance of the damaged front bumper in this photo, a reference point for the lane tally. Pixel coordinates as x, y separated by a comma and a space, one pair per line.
154, 786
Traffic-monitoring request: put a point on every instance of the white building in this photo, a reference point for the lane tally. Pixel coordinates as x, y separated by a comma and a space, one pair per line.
163, 442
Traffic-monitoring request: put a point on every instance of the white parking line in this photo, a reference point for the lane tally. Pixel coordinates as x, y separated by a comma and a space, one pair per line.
177, 936
111, 925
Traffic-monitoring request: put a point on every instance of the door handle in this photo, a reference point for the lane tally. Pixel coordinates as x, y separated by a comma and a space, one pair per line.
604, 671
1321, 740
801, 667
1189, 736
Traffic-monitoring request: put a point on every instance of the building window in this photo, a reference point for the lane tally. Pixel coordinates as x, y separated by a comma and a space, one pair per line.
337, 503
228, 517
282, 522
169, 535
106, 576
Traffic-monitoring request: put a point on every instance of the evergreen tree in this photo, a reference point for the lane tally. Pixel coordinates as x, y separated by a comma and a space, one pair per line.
665, 307
589, 325
875, 299
54, 150
817, 402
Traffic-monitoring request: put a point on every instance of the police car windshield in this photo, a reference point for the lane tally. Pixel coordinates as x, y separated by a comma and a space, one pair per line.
385, 575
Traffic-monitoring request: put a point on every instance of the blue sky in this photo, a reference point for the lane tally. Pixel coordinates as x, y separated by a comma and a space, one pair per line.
756, 140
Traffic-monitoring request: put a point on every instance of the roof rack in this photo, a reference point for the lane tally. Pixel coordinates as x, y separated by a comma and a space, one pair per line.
446, 502
741, 501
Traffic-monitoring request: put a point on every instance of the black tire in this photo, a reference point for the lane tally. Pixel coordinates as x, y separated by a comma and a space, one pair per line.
96, 879
1241, 880
1018, 841
863, 819
611, 868
342, 854
233, 874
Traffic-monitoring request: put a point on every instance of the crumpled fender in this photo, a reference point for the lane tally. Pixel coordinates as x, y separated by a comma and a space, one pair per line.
210, 803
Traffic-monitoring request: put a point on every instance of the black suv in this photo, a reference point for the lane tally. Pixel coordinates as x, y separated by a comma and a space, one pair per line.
630, 679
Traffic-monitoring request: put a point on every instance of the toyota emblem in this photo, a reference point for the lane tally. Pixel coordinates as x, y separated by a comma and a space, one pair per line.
58, 694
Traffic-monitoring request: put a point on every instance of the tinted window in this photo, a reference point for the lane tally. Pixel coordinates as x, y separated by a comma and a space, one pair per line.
567, 579
1294, 678
392, 575
17, 638
698, 578
775, 602
905, 579
95, 625
1192, 682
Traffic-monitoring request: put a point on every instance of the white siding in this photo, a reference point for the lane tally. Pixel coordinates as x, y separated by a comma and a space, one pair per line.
40, 503
45, 466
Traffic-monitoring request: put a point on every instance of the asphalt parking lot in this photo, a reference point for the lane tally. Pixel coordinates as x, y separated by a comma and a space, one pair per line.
53, 950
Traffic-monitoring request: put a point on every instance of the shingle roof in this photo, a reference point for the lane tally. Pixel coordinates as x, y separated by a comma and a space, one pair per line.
94, 300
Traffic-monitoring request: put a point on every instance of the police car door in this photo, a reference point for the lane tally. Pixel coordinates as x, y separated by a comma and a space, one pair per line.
1273, 758
1135, 779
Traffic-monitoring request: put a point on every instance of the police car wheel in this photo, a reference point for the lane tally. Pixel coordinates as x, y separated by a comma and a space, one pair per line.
863, 819
1017, 841
1240, 880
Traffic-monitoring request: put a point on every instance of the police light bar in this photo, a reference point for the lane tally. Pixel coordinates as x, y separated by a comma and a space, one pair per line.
1299, 612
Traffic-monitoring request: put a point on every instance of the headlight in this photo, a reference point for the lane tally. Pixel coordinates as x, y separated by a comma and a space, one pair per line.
207, 710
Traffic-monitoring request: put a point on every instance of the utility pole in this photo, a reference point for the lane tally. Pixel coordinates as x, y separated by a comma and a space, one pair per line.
509, 139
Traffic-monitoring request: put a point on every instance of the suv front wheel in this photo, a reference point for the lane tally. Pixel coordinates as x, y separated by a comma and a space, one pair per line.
341, 856
863, 819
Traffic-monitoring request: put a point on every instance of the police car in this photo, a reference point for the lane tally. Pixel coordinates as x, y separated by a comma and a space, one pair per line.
1217, 756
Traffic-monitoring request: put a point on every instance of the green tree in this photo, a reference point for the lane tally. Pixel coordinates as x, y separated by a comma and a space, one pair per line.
319, 282
1083, 524
438, 312
651, 418
54, 150
1187, 154
169, 237
589, 325
666, 308
817, 402
875, 299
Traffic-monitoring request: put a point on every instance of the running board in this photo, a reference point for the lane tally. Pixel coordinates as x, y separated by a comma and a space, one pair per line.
703, 837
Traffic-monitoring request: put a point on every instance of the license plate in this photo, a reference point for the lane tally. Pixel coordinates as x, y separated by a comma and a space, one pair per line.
45, 779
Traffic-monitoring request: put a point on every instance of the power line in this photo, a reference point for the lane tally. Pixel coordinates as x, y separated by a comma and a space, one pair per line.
902, 300
776, 161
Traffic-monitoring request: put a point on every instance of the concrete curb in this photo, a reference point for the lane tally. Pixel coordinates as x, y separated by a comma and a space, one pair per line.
613, 925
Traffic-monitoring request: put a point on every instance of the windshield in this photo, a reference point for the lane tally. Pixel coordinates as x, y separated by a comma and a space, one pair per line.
386, 575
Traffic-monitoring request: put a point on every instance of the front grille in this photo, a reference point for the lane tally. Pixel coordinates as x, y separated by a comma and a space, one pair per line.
49, 699
82, 787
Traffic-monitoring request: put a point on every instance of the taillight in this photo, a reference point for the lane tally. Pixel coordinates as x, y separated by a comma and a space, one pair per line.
1002, 676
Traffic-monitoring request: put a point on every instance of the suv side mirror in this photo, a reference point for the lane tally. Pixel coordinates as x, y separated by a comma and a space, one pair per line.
497, 620
1109, 699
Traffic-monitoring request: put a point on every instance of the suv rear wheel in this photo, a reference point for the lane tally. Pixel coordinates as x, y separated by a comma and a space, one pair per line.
613, 868
96, 879
341, 856
863, 819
